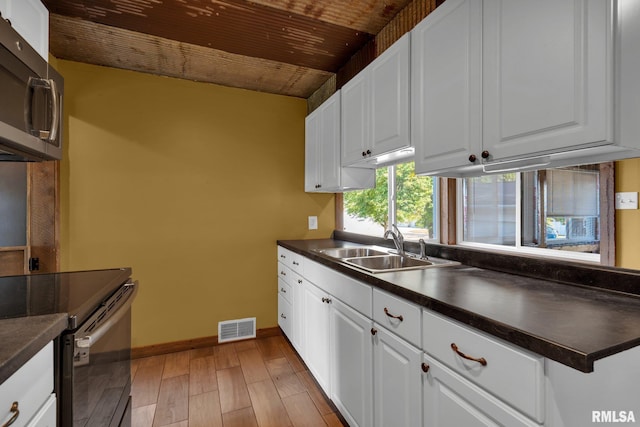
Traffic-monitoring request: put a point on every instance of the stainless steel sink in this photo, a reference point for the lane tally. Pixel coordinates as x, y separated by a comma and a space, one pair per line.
378, 260
351, 252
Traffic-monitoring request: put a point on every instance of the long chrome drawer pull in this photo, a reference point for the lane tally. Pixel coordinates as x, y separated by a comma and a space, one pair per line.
480, 360
16, 414
399, 317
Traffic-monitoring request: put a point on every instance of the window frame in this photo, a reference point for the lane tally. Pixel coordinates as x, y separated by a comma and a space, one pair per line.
607, 226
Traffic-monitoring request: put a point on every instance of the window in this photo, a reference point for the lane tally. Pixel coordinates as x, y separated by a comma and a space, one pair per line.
553, 209
400, 197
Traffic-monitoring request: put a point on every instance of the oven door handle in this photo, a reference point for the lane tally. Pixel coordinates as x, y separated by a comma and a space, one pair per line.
88, 340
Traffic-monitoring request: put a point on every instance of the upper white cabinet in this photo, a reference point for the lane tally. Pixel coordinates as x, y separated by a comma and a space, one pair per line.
375, 110
446, 80
323, 172
519, 84
30, 18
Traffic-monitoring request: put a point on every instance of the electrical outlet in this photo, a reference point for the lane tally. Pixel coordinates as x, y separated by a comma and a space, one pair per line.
313, 223
628, 200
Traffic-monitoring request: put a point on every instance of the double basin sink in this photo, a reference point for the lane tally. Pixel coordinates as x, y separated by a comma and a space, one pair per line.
375, 259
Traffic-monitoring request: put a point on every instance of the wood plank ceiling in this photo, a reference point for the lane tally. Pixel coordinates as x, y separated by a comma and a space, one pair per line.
288, 47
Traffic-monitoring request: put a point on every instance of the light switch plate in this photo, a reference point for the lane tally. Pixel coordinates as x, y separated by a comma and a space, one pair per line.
627, 200
313, 223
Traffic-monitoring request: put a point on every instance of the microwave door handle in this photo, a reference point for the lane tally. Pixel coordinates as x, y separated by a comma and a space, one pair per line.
46, 135
55, 116
88, 340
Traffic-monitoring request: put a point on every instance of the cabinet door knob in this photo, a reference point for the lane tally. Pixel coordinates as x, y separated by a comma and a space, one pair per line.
16, 413
425, 367
374, 331
368, 152
473, 158
485, 154
480, 360
364, 153
399, 317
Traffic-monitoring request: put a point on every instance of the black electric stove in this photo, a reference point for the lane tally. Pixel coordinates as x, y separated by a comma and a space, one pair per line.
77, 293
93, 356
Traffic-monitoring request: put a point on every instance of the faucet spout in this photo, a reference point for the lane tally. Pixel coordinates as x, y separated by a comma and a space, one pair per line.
398, 239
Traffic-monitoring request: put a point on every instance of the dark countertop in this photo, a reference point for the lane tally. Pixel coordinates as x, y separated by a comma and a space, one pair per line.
23, 337
569, 323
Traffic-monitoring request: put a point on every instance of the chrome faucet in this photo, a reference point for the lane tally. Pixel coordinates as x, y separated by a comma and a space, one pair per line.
423, 249
398, 239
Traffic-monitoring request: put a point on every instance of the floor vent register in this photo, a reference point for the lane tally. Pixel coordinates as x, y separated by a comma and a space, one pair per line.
239, 329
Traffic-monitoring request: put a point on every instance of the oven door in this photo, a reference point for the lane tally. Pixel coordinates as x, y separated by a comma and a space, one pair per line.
95, 381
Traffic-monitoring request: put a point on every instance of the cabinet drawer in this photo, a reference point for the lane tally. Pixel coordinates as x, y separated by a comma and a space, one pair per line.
290, 259
285, 290
284, 273
350, 291
30, 386
512, 374
450, 400
284, 316
397, 315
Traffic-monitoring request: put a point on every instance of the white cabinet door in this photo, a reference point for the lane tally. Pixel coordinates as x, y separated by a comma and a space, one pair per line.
375, 108
547, 68
397, 381
298, 315
356, 119
30, 18
285, 316
312, 125
323, 171
322, 149
389, 76
352, 360
450, 400
446, 87
316, 332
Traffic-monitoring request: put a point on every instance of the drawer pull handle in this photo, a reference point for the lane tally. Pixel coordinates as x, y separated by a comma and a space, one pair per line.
282, 256
327, 300
480, 360
300, 281
283, 273
386, 311
295, 263
283, 316
425, 367
284, 291
16, 414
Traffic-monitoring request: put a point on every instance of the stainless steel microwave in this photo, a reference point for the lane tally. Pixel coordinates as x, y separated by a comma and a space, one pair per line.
30, 102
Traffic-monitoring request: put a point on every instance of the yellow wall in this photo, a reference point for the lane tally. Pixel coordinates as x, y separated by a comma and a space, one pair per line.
628, 221
190, 184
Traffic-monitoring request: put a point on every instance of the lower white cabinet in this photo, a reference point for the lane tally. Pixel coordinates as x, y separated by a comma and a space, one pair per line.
397, 381
316, 305
450, 400
31, 388
284, 315
352, 364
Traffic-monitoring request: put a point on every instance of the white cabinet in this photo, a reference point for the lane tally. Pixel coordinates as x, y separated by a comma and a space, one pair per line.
546, 75
397, 381
513, 82
513, 375
446, 81
352, 364
375, 110
290, 296
323, 171
316, 307
450, 400
31, 387
30, 18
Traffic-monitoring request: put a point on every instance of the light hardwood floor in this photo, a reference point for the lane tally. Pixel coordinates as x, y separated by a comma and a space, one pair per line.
259, 382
